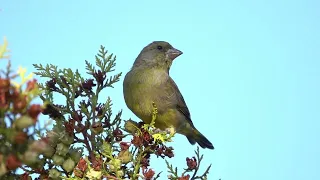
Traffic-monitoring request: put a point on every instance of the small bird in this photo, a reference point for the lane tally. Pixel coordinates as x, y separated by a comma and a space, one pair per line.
149, 82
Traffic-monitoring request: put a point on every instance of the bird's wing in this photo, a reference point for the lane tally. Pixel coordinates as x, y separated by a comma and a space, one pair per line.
179, 101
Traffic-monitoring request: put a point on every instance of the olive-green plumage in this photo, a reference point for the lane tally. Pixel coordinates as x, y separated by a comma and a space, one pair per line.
148, 81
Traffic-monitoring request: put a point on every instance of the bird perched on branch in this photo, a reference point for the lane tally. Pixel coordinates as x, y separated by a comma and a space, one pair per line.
149, 82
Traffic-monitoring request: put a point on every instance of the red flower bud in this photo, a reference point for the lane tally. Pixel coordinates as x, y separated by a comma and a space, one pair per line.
12, 162
124, 145
34, 111
82, 165
137, 141
31, 85
19, 104
148, 173
191, 163
20, 137
4, 85
187, 177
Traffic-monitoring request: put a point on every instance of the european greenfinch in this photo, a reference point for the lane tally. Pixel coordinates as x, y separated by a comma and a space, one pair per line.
148, 83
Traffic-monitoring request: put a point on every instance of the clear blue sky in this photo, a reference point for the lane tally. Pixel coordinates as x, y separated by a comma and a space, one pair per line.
249, 73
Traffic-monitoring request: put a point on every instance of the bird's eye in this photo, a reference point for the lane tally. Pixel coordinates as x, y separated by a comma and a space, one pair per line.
159, 47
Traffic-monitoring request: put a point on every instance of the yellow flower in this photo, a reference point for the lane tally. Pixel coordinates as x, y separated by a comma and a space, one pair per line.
22, 72
158, 137
92, 174
164, 136
3, 49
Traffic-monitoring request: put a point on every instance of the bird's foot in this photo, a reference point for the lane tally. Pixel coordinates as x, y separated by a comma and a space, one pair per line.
171, 130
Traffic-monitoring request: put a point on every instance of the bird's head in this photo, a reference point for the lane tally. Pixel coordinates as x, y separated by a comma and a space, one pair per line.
158, 54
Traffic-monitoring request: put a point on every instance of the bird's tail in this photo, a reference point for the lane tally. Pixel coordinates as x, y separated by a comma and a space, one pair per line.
197, 137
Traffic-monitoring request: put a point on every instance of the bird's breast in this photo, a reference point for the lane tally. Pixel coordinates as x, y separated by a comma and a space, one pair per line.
141, 89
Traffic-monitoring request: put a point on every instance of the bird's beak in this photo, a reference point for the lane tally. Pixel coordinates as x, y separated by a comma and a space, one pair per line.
173, 53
